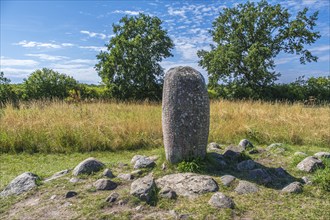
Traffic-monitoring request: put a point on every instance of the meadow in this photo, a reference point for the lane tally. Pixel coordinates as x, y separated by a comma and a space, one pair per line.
60, 127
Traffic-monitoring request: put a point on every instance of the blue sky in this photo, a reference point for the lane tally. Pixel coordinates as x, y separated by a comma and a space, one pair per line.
67, 35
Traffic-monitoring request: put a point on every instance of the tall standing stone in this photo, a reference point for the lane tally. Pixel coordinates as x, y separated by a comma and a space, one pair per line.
186, 114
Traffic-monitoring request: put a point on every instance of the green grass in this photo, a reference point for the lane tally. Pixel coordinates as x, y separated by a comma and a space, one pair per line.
269, 203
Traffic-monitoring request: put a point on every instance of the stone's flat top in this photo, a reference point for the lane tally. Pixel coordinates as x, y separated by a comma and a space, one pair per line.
88, 166
227, 180
22, 183
309, 164
188, 184
143, 188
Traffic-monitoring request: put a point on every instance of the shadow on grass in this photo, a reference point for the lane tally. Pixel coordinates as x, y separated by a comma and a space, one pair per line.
271, 177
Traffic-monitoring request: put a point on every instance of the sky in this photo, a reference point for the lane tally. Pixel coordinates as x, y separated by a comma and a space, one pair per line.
67, 35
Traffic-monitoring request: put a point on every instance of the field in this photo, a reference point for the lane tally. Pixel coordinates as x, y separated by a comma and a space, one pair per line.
59, 127
46, 137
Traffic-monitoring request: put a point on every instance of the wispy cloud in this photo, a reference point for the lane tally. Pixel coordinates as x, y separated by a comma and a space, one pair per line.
94, 48
42, 56
320, 48
17, 62
127, 12
94, 34
31, 44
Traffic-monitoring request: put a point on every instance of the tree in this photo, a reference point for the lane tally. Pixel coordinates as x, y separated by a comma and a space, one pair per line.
6, 92
130, 68
247, 39
48, 84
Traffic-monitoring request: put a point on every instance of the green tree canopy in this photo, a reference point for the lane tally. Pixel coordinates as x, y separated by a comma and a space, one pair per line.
247, 39
48, 84
6, 91
130, 67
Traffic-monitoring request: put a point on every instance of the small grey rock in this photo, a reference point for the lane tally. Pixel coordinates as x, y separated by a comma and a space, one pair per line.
245, 144
144, 162
70, 194
22, 183
108, 173
310, 164
246, 187
112, 198
167, 193
300, 154
53, 197
246, 165
57, 175
294, 187
74, 180
306, 180
213, 146
274, 146
139, 208
136, 158
321, 155
227, 180
220, 200
125, 176
260, 175
105, 184
143, 188
154, 157
88, 166
136, 173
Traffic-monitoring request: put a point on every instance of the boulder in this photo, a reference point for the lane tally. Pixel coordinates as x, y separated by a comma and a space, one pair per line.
246, 165
322, 155
136, 157
227, 180
57, 175
144, 162
108, 173
144, 188
246, 187
218, 160
309, 164
188, 184
294, 187
260, 175
281, 173
220, 200
88, 166
185, 114
245, 144
70, 194
22, 183
105, 184
167, 193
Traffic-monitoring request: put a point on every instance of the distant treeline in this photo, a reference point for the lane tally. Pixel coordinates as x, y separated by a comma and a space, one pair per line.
47, 84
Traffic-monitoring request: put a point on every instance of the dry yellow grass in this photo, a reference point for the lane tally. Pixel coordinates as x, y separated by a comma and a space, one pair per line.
63, 127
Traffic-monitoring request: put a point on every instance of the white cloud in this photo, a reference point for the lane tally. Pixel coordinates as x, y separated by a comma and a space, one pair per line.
176, 12
94, 34
17, 62
83, 61
15, 72
47, 57
95, 48
31, 44
133, 13
320, 48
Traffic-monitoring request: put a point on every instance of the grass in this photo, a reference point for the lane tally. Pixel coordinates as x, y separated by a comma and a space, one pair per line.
59, 127
268, 203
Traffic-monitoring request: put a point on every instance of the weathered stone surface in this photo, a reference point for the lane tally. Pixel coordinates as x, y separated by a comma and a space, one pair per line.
112, 198
227, 180
74, 180
105, 184
108, 173
136, 158
260, 175
143, 188
246, 165
144, 162
185, 115
22, 183
294, 187
245, 143
70, 194
246, 187
57, 175
220, 200
125, 176
88, 166
188, 184
274, 146
218, 159
281, 173
167, 193
321, 155
309, 164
